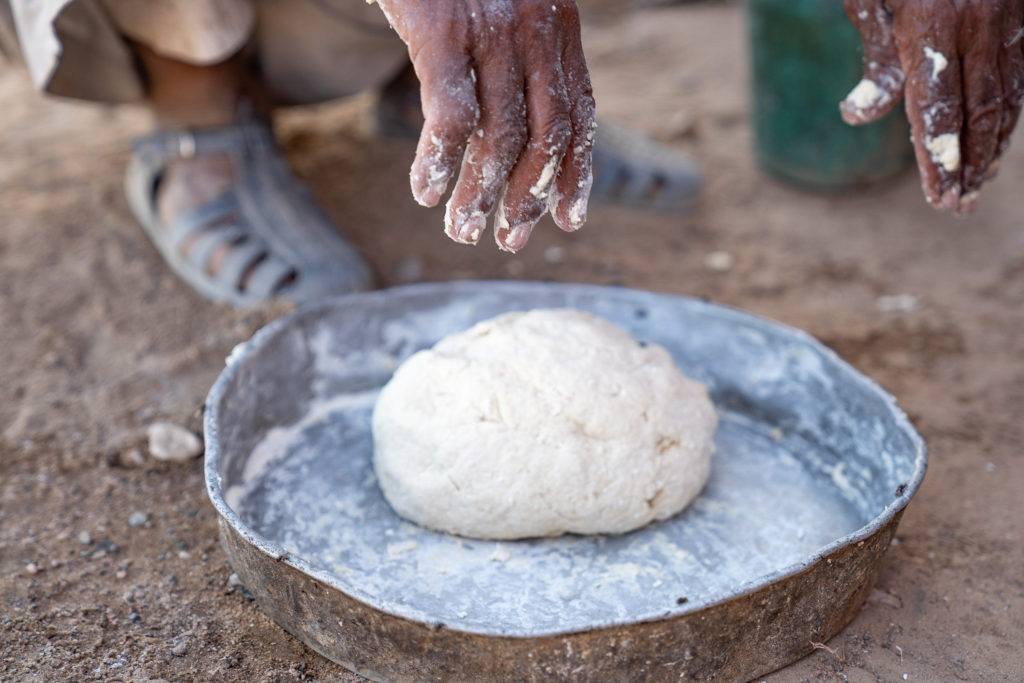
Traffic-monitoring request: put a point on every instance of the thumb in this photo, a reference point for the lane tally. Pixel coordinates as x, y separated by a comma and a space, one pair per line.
882, 85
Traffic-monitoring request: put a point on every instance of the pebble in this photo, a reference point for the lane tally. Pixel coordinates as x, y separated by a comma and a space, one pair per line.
554, 254
33, 568
180, 649
84, 537
233, 580
133, 457
137, 519
897, 303
172, 443
128, 459
718, 261
106, 546
134, 617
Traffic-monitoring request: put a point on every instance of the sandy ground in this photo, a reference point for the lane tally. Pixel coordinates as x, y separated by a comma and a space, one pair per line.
97, 340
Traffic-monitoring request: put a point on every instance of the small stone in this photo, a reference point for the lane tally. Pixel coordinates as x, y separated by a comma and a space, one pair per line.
134, 617
990, 467
184, 555
233, 580
718, 261
172, 443
897, 303
137, 519
554, 254
107, 546
180, 649
33, 568
128, 459
133, 457
120, 573
84, 537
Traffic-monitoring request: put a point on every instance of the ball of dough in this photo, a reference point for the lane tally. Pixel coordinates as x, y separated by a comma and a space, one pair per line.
538, 424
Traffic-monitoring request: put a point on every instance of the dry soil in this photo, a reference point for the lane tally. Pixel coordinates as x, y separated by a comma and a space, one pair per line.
98, 339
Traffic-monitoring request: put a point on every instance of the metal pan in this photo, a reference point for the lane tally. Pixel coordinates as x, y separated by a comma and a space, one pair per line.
813, 468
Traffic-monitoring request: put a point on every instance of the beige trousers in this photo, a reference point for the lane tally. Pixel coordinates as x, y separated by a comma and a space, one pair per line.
308, 50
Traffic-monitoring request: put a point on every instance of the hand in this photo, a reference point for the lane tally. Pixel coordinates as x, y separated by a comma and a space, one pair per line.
505, 89
960, 66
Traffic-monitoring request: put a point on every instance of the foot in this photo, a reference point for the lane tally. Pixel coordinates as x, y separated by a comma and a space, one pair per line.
227, 215
186, 185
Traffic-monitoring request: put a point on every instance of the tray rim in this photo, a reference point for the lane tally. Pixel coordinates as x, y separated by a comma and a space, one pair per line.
458, 287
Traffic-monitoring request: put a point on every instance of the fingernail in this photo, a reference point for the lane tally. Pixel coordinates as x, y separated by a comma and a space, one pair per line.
865, 94
968, 202
469, 229
578, 213
429, 195
950, 199
515, 239
433, 182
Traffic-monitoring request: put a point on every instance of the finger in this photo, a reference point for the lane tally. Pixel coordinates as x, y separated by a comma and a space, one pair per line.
493, 147
981, 40
568, 201
548, 131
933, 100
1011, 72
450, 113
882, 85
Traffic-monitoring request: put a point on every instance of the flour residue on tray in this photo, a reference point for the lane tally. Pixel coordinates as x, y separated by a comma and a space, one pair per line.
278, 442
322, 504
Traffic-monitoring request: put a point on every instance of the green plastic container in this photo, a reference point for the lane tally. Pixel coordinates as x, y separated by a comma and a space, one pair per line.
805, 58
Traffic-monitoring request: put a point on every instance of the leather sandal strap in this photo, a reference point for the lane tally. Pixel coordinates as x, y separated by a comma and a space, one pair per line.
268, 276
202, 250
159, 147
237, 261
195, 220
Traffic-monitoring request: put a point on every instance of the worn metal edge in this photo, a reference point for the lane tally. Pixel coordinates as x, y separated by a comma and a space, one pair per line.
738, 639
468, 287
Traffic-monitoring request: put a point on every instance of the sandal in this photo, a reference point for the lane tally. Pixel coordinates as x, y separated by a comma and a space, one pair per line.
278, 242
634, 171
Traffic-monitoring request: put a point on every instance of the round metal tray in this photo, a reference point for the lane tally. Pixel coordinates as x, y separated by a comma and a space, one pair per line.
814, 464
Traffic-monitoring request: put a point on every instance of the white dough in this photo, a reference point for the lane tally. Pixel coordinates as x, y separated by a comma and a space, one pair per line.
541, 423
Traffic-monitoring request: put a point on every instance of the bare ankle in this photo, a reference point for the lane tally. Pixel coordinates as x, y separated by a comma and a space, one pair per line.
186, 95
